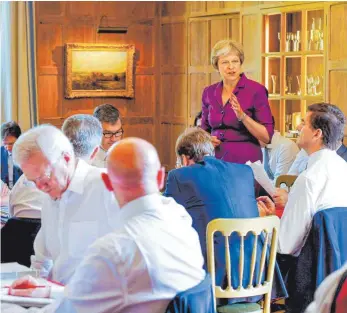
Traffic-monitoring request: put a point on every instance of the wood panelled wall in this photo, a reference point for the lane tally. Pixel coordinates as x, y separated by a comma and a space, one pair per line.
337, 56
58, 23
173, 42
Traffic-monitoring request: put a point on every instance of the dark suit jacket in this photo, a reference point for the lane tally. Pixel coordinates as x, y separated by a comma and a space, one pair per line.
4, 168
217, 189
324, 252
342, 152
198, 299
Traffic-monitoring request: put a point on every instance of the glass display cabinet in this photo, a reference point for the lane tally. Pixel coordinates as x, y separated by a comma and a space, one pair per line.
293, 64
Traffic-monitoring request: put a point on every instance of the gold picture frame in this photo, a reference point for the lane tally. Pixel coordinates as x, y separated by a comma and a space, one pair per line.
99, 70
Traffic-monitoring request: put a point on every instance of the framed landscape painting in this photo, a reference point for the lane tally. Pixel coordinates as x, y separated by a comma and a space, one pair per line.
99, 70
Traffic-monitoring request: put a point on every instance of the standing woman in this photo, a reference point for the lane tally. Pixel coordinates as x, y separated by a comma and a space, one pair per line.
236, 110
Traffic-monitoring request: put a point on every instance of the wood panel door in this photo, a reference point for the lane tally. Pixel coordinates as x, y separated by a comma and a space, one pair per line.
172, 108
337, 56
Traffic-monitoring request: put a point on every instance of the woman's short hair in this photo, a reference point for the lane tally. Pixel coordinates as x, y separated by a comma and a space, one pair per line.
223, 47
195, 143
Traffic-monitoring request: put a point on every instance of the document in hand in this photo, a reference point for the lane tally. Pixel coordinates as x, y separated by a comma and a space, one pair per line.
261, 177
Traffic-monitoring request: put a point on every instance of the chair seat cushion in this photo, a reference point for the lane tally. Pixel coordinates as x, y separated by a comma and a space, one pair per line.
240, 308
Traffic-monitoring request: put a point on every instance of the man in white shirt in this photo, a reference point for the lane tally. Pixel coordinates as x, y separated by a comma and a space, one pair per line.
78, 210
152, 254
280, 154
321, 185
112, 131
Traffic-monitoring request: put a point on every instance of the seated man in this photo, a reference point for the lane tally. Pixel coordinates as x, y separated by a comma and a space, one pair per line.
9, 172
19, 232
78, 210
151, 255
197, 119
112, 130
25, 200
322, 185
278, 156
84, 132
17, 236
210, 188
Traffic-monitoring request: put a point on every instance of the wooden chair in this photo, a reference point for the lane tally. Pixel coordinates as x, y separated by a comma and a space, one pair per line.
288, 180
256, 226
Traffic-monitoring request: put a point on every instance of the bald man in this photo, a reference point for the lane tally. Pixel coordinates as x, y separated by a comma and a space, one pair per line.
152, 254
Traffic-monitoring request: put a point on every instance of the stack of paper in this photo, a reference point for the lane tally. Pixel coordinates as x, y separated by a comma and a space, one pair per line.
9, 273
261, 177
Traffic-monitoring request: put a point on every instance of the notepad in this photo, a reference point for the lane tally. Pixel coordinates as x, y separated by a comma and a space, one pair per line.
9, 273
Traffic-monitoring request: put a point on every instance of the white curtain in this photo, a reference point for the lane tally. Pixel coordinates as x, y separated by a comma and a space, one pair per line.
18, 97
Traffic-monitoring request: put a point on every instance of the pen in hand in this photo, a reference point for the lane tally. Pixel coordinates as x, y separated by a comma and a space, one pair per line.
24, 287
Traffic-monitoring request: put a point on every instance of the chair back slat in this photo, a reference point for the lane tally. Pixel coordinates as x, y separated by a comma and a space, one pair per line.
241, 261
254, 256
256, 227
228, 262
262, 260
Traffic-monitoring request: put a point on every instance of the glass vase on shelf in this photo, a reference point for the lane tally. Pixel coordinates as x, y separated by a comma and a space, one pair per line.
288, 39
310, 83
298, 80
289, 85
274, 81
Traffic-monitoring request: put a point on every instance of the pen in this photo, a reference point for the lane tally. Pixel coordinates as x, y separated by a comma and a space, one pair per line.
29, 287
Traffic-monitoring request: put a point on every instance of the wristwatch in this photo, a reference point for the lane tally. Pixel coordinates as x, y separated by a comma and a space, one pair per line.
242, 117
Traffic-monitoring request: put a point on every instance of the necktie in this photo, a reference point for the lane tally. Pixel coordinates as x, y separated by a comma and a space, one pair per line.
266, 164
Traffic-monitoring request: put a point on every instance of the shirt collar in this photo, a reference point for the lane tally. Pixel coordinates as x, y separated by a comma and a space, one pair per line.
148, 203
77, 181
316, 156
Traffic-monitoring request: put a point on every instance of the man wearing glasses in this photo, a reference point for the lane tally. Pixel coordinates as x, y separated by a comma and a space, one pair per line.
112, 131
79, 209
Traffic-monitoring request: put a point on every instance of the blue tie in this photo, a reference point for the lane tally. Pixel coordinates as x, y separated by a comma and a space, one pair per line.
266, 164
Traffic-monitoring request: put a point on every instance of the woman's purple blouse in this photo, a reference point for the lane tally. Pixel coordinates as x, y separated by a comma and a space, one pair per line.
221, 121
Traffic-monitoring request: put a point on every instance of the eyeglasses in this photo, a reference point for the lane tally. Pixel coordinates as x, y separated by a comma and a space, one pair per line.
118, 133
46, 177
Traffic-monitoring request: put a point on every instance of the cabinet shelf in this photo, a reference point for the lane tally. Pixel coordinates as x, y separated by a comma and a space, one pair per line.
293, 54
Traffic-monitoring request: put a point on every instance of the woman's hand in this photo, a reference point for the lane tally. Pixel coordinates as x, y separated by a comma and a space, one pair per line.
215, 141
28, 286
235, 105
